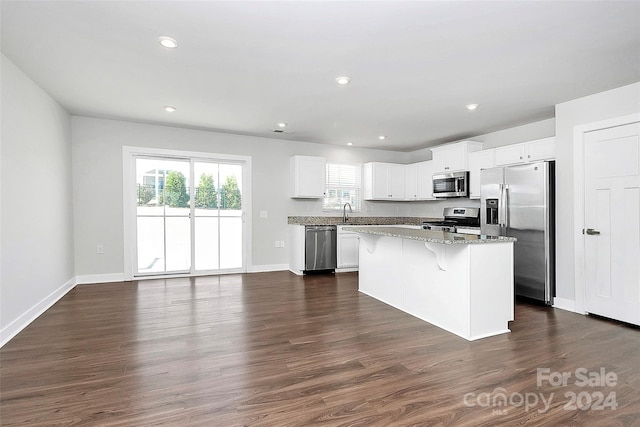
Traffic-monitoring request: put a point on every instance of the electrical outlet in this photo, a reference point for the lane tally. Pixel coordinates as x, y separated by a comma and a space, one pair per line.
264, 214
277, 243
282, 243
100, 249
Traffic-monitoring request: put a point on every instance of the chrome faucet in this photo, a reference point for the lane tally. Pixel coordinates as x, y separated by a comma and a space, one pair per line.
345, 218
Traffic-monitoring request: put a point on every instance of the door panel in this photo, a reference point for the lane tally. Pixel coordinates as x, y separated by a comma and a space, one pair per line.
603, 246
206, 241
612, 218
150, 244
218, 212
630, 256
527, 218
163, 234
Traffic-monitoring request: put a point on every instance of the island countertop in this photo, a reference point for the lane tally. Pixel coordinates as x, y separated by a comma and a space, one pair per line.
442, 237
359, 220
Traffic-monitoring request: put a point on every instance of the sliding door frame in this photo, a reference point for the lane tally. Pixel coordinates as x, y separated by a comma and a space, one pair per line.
129, 155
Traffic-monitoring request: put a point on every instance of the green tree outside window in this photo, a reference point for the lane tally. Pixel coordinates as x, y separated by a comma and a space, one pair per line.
175, 190
230, 197
206, 194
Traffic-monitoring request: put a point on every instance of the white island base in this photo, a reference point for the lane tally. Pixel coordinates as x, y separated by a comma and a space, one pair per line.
466, 289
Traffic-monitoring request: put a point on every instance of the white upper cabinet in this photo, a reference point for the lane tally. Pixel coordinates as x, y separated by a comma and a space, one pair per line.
307, 178
479, 160
411, 181
383, 181
532, 151
453, 157
510, 154
541, 149
425, 180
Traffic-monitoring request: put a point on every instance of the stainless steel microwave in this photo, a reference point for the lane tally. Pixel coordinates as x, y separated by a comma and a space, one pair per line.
452, 184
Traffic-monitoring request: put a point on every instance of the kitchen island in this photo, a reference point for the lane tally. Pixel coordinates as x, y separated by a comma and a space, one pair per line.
461, 283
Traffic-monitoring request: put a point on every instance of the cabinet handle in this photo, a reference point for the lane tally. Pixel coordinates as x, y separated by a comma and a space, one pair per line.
520, 157
529, 156
446, 167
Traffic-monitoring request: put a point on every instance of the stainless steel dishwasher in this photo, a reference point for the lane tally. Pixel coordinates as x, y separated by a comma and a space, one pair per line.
320, 247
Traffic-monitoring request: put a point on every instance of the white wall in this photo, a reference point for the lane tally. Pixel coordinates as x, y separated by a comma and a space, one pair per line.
37, 218
605, 105
97, 171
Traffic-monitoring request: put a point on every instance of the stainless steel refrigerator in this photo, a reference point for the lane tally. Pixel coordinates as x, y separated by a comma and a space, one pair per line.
519, 201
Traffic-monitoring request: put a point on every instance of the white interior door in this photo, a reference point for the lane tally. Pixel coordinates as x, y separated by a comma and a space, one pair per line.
612, 222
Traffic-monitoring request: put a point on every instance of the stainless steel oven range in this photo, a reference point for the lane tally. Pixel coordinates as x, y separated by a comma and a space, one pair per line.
457, 220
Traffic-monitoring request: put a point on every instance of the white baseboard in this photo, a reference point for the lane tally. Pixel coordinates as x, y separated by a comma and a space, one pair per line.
346, 270
99, 278
267, 267
565, 304
13, 328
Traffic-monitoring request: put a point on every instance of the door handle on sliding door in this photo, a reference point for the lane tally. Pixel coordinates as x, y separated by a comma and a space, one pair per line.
592, 232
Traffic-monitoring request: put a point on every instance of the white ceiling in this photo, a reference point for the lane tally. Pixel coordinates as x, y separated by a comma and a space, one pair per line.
241, 66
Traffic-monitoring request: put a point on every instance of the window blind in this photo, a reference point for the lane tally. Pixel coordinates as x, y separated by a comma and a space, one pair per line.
343, 186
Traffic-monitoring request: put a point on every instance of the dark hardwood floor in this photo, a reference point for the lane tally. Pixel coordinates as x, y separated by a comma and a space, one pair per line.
274, 349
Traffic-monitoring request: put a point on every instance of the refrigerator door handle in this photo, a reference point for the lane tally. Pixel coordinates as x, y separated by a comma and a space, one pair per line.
505, 207
500, 206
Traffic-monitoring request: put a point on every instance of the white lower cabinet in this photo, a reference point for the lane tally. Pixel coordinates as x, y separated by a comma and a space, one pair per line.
296, 248
348, 249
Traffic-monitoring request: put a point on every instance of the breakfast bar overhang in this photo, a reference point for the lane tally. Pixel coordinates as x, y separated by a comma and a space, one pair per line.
461, 283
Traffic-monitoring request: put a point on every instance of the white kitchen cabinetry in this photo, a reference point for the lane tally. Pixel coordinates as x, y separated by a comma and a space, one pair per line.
411, 181
541, 149
296, 248
479, 160
453, 157
425, 180
509, 154
307, 177
383, 181
532, 151
347, 249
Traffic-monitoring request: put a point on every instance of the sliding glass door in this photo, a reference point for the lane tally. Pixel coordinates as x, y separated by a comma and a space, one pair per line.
189, 216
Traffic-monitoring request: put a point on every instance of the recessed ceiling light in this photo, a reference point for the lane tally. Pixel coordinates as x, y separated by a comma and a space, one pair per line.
282, 125
472, 106
342, 80
169, 108
349, 144
168, 42
382, 137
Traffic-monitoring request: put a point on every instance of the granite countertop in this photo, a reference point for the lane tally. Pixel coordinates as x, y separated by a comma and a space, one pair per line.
429, 236
359, 220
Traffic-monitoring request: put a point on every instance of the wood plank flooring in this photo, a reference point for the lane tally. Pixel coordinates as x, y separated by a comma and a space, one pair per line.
275, 349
